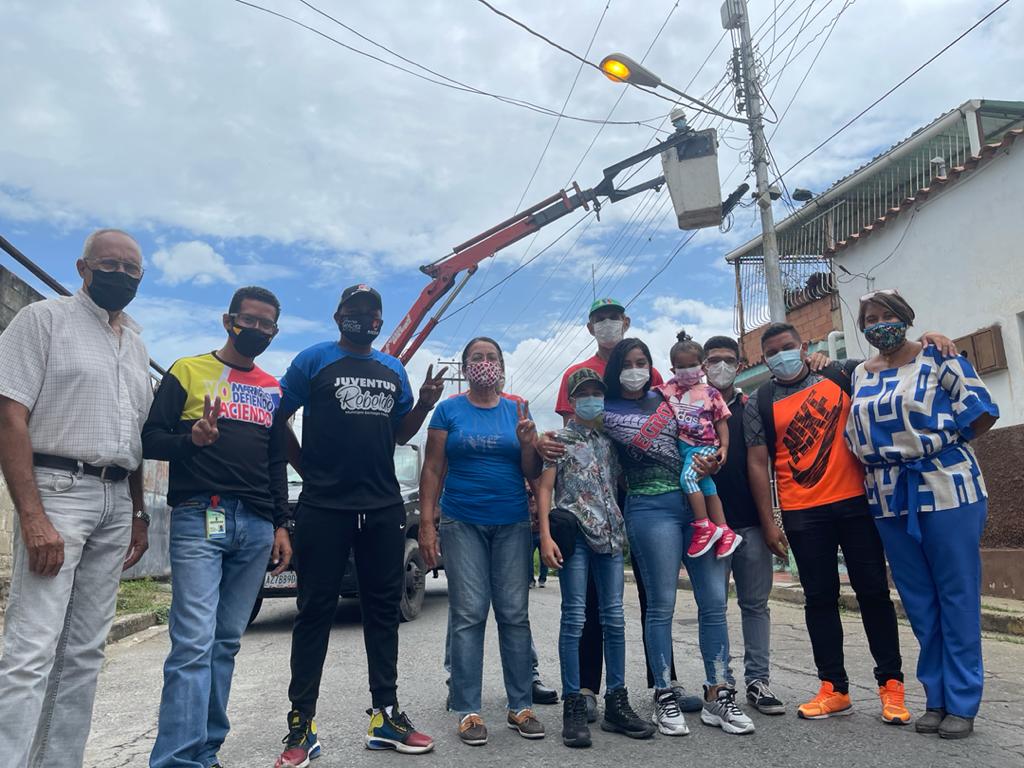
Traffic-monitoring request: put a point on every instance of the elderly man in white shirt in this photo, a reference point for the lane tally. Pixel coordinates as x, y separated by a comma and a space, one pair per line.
74, 393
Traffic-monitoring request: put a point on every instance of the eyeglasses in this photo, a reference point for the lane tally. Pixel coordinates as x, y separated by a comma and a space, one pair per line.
130, 268
882, 292
244, 320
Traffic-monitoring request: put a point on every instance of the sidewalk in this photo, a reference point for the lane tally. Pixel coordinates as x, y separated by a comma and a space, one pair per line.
1000, 615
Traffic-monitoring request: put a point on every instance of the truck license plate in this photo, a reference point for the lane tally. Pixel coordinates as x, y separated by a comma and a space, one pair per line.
286, 580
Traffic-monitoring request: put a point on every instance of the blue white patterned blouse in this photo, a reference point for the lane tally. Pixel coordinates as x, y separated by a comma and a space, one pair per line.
910, 426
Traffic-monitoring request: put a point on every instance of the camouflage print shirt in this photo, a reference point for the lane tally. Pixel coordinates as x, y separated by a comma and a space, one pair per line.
585, 485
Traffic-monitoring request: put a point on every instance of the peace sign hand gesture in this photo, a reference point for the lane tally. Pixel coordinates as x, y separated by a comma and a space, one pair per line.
526, 429
432, 387
204, 431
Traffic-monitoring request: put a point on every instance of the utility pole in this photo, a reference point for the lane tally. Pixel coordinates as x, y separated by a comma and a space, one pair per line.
735, 17
453, 374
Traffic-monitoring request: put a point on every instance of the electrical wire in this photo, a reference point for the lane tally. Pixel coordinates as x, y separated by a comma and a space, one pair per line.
446, 81
894, 88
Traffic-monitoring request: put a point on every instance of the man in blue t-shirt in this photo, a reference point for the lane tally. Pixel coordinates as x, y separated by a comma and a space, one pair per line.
357, 405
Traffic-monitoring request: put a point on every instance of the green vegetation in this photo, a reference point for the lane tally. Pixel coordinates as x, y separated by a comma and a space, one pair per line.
144, 596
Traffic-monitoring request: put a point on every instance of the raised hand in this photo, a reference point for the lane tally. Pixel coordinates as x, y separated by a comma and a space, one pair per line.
432, 387
204, 431
526, 430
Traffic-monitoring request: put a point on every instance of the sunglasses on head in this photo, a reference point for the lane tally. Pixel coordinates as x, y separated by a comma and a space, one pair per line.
882, 292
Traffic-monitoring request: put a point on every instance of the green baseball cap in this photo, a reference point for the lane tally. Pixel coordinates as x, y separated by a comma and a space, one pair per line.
582, 376
602, 303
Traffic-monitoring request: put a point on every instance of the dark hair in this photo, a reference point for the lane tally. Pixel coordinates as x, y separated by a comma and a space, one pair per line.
777, 329
489, 340
613, 369
892, 302
255, 293
685, 343
722, 342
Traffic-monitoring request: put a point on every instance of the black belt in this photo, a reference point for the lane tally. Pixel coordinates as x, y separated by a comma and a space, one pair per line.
112, 473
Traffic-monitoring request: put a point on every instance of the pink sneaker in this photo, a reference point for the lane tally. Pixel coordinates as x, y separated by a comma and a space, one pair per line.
704, 537
728, 542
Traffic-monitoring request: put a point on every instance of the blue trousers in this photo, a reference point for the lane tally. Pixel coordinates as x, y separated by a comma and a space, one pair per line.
607, 572
939, 581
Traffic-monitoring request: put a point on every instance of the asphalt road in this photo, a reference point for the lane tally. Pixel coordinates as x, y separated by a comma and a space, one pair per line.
124, 724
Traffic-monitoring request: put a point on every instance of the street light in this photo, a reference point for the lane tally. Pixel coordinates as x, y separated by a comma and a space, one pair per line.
619, 68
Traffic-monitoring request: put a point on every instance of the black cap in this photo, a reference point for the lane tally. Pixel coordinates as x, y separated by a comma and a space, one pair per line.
358, 290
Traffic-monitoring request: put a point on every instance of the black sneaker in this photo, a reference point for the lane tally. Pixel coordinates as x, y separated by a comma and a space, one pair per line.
619, 717
764, 701
575, 732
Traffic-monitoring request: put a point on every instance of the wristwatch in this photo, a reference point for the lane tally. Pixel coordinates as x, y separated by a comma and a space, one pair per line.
143, 515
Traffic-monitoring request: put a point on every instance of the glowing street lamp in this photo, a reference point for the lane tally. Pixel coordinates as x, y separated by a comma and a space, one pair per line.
619, 68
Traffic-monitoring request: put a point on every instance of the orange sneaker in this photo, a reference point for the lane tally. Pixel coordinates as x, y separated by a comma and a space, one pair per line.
828, 703
893, 709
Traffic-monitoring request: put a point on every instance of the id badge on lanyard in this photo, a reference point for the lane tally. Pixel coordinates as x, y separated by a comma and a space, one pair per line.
216, 520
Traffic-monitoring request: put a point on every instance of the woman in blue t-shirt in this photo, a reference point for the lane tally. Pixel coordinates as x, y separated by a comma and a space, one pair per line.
644, 429
487, 443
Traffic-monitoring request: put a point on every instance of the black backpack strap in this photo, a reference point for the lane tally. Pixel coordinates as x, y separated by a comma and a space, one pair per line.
765, 401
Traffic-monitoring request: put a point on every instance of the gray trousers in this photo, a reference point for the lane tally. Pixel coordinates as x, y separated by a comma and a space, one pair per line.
752, 572
55, 627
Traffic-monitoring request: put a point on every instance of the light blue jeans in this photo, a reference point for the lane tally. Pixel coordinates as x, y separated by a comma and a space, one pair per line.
215, 583
56, 626
754, 575
609, 580
488, 565
659, 533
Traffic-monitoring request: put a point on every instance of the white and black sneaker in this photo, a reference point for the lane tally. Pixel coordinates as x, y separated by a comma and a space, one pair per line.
764, 700
721, 711
667, 717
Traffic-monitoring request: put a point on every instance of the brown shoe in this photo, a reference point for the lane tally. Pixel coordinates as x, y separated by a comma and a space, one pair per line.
526, 723
472, 730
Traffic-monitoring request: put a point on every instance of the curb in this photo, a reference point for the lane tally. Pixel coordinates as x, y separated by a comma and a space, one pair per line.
991, 621
129, 624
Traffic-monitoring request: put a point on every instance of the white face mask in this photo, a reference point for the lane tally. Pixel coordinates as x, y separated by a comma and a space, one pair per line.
608, 332
633, 379
722, 375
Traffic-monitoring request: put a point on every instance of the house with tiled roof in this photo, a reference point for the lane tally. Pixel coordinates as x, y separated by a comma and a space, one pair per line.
940, 217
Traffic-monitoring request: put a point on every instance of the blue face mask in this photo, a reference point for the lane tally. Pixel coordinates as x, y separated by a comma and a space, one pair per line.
786, 364
589, 408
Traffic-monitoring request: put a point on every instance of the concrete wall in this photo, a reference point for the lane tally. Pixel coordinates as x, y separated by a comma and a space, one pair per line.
15, 294
957, 260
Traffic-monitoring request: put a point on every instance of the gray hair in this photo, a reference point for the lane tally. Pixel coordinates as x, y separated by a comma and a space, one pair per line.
90, 241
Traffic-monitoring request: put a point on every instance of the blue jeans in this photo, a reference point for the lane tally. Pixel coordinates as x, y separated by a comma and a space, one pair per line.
754, 575
542, 568
215, 583
608, 578
487, 565
659, 533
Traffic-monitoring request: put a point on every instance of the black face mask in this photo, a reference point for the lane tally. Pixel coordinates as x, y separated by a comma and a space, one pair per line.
250, 342
361, 330
112, 291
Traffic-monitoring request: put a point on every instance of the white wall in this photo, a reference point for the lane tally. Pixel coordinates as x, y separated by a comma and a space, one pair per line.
960, 265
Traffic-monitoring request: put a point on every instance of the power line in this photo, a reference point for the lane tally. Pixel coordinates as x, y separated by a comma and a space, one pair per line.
446, 81
892, 90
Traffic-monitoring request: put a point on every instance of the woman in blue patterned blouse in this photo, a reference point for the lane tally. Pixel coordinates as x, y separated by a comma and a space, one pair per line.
913, 415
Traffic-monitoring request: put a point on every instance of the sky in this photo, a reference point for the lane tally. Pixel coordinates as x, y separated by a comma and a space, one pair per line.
240, 148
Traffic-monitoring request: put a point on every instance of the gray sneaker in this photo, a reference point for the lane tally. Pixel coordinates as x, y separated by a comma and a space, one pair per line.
956, 727
720, 710
930, 721
526, 723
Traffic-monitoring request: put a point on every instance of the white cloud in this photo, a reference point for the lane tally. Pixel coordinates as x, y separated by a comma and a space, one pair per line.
192, 262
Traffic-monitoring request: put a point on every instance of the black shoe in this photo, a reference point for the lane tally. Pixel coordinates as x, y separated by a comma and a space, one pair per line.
591, 698
956, 727
575, 732
544, 695
764, 700
687, 702
619, 717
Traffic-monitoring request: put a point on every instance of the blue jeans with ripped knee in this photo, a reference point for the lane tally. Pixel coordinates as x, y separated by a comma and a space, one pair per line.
659, 532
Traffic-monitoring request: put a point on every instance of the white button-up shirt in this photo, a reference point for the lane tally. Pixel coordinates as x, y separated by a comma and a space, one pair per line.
87, 387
